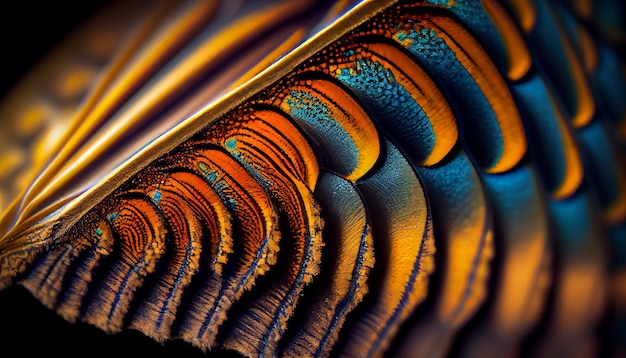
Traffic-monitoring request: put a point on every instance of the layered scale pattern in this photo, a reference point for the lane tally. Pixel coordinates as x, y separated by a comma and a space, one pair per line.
419, 179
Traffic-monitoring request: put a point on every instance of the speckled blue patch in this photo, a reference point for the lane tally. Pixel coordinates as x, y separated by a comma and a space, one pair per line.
156, 197
317, 121
392, 106
481, 130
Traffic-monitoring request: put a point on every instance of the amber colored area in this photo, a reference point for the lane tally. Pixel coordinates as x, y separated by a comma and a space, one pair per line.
588, 50
33, 118
10, 160
425, 93
262, 146
71, 85
525, 12
573, 166
37, 89
255, 243
141, 234
351, 117
67, 142
156, 314
585, 104
69, 307
123, 77
349, 242
523, 285
470, 54
516, 50
205, 57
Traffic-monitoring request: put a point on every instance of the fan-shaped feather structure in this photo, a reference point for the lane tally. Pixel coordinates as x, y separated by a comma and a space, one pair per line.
282, 178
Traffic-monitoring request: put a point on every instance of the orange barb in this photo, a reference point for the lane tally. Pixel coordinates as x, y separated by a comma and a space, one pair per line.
342, 283
264, 144
343, 120
425, 93
478, 64
404, 248
255, 235
141, 234
516, 50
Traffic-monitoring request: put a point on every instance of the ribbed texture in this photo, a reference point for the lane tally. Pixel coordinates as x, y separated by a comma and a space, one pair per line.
433, 180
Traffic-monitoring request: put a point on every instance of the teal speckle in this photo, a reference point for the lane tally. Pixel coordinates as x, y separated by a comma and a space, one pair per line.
426, 43
474, 16
231, 144
439, 59
98, 232
438, 2
209, 174
113, 216
349, 53
428, 35
316, 119
304, 105
156, 196
392, 106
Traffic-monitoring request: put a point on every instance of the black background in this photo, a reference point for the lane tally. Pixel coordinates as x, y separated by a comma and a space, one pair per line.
30, 29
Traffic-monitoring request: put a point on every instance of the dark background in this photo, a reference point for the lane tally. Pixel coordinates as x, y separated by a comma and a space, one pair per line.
30, 29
